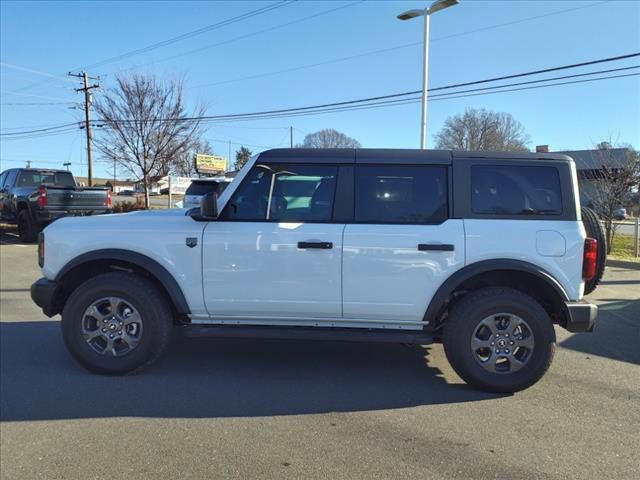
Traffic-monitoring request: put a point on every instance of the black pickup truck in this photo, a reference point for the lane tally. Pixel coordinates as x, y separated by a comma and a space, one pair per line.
32, 198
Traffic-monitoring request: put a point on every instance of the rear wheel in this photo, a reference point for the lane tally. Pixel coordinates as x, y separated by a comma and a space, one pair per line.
499, 340
595, 230
27, 228
116, 323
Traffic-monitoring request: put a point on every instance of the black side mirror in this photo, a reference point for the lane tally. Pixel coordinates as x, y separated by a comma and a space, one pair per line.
209, 206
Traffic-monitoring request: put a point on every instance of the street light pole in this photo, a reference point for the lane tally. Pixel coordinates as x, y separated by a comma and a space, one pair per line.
425, 82
426, 13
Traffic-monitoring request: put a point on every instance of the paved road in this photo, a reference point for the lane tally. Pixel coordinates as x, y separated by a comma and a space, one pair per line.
271, 409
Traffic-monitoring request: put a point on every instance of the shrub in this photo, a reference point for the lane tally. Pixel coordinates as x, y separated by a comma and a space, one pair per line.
123, 207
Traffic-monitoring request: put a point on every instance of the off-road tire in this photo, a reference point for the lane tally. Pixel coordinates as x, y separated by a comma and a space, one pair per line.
27, 228
595, 230
137, 291
464, 318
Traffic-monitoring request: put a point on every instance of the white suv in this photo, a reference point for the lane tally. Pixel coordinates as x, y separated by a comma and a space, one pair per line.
481, 251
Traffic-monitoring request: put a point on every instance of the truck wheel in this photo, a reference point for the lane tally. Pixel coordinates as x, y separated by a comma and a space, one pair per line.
595, 230
116, 323
27, 229
499, 339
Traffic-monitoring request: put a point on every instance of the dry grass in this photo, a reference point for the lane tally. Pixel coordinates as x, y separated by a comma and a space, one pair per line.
622, 248
123, 207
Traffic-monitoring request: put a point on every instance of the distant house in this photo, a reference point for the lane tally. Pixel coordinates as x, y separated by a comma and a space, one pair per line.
589, 164
107, 182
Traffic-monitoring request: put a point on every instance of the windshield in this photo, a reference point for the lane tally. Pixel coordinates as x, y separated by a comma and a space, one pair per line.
36, 178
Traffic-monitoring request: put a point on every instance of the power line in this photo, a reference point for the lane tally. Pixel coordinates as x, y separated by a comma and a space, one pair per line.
311, 65
514, 22
34, 104
173, 40
401, 94
545, 70
285, 3
31, 70
252, 34
397, 47
238, 143
396, 98
39, 135
450, 96
575, 75
192, 33
46, 162
36, 96
381, 104
46, 129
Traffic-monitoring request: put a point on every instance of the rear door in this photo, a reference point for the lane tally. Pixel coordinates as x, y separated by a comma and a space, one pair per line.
402, 244
275, 254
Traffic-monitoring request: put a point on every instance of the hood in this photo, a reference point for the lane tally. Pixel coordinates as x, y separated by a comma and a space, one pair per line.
165, 212
140, 219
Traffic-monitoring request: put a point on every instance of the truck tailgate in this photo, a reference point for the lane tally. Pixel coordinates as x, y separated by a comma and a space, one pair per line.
76, 198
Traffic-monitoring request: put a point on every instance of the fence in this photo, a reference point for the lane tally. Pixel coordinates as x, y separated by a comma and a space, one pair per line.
630, 227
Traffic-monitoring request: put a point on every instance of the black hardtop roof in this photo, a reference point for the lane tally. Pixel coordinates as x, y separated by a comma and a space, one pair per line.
394, 155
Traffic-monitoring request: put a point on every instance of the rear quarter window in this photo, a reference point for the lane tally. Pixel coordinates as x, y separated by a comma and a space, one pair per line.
515, 190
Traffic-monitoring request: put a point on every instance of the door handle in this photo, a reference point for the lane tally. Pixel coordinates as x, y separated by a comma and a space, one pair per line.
323, 245
435, 247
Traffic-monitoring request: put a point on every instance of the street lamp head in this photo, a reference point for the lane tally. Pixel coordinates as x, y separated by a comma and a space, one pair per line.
435, 7
441, 5
409, 14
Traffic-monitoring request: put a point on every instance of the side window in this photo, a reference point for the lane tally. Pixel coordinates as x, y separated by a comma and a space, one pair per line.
2, 177
284, 193
401, 194
515, 190
11, 177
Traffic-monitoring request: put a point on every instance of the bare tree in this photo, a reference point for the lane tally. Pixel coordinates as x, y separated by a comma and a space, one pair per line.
482, 130
242, 156
145, 126
329, 138
615, 175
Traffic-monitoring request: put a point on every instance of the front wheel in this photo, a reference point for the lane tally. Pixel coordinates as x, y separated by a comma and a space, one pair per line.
499, 339
116, 323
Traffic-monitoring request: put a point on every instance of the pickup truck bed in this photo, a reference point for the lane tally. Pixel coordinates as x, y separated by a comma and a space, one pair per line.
33, 198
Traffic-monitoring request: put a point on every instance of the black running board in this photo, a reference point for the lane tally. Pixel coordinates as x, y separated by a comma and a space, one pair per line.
308, 333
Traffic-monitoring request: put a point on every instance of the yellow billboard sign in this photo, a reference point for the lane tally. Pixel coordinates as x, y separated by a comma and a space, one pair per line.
210, 163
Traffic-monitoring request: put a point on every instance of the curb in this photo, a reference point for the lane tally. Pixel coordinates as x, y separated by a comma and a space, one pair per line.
623, 264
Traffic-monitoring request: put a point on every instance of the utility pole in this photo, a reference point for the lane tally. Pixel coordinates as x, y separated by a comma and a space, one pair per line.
291, 136
229, 162
86, 88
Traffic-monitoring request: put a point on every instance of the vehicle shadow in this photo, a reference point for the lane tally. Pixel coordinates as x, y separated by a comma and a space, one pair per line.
209, 377
9, 235
616, 335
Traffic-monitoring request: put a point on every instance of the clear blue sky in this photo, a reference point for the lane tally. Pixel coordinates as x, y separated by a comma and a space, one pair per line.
42, 41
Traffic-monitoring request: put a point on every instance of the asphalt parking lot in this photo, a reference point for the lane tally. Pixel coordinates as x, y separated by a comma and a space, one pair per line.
213, 408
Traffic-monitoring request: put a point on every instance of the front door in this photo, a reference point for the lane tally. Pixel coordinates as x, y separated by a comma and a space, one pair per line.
275, 253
